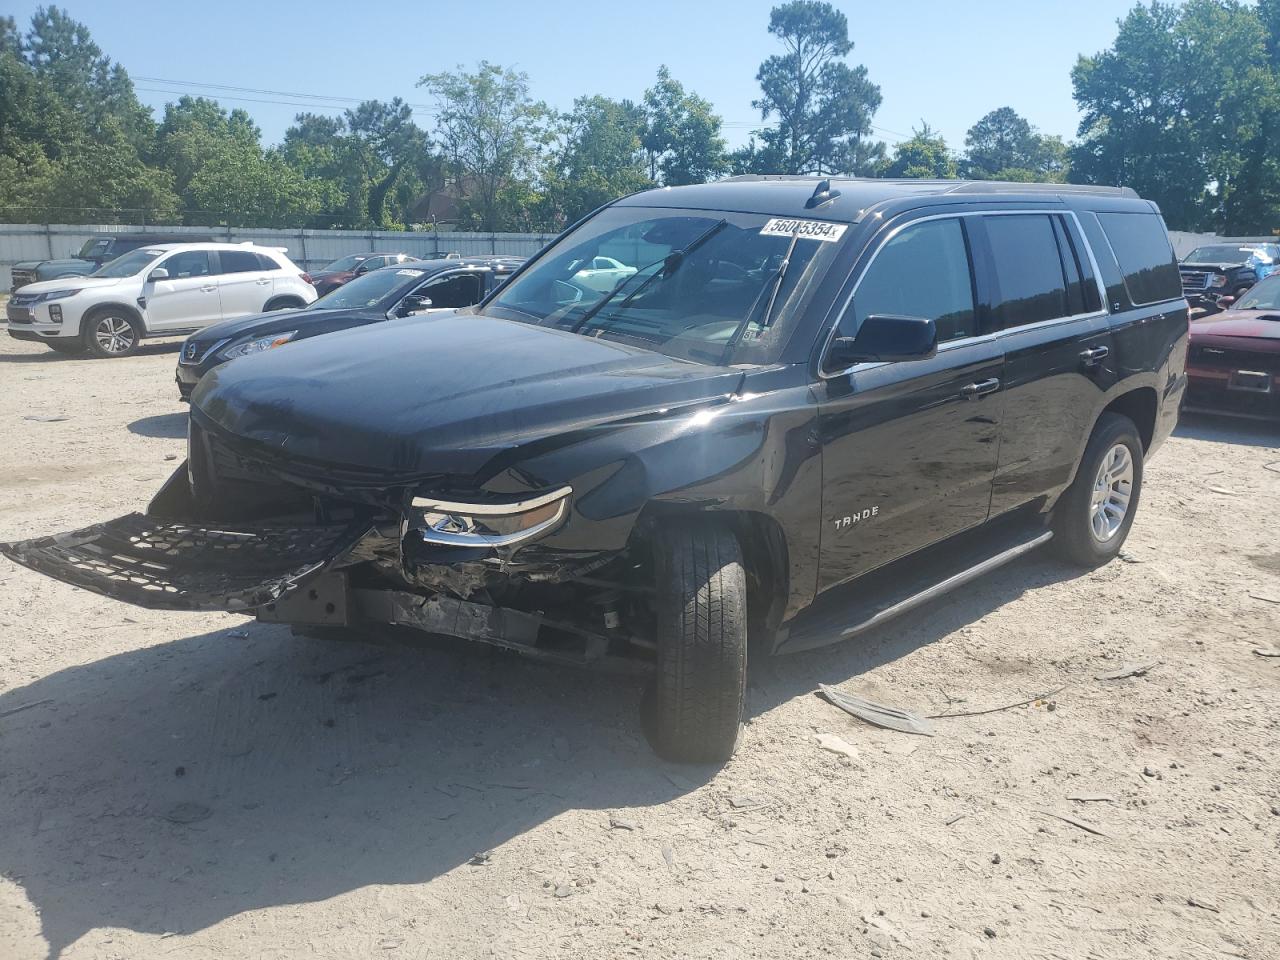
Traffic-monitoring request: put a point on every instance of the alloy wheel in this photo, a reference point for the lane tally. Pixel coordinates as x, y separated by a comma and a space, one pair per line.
1112, 490
115, 335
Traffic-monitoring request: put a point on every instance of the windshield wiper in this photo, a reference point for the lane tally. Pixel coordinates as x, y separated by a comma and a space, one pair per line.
773, 285
670, 264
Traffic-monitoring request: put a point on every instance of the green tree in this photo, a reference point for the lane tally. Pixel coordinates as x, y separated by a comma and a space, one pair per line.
1182, 108
600, 158
493, 134
1003, 145
924, 156
824, 106
681, 138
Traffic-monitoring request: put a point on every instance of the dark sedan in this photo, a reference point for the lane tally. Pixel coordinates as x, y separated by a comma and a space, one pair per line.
1233, 361
409, 288
345, 269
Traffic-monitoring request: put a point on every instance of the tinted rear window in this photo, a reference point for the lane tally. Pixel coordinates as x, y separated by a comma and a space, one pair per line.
1028, 270
1145, 256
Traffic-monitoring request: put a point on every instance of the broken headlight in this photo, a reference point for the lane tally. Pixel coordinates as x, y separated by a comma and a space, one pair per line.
450, 523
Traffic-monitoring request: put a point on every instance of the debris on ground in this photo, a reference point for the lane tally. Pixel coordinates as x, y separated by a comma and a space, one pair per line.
25, 706
1130, 670
833, 744
188, 812
1265, 597
618, 823
1037, 699
45, 418
1267, 651
876, 714
1202, 904
481, 859
1078, 824
1090, 798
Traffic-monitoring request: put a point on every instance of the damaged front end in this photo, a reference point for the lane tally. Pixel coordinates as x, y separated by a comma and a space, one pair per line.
237, 530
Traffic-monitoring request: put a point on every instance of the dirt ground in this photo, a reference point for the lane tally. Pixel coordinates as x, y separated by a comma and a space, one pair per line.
204, 786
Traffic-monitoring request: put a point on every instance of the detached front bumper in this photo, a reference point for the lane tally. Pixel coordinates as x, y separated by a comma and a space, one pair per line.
165, 564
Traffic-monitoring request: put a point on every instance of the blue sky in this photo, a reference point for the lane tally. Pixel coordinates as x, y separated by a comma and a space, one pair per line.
937, 61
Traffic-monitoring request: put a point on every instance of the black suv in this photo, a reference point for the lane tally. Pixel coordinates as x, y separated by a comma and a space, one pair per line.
96, 251
811, 405
404, 289
1216, 275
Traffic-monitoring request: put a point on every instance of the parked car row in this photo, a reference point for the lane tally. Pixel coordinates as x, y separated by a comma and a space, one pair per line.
407, 288
154, 291
796, 407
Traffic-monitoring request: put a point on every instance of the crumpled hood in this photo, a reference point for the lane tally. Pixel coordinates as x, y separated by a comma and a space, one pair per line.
441, 395
75, 283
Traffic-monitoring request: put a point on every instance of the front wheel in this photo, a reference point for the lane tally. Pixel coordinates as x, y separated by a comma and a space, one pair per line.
694, 709
1094, 516
111, 333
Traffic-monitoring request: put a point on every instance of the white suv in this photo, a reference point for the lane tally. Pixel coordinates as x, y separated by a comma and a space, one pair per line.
158, 291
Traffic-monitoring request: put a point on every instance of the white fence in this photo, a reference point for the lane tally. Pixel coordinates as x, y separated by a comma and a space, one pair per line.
309, 249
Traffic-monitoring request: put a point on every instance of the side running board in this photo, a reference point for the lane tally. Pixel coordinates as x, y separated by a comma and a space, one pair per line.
882, 595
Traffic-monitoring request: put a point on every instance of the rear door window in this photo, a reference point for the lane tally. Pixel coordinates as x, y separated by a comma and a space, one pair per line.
239, 261
1145, 255
1029, 273
188, 263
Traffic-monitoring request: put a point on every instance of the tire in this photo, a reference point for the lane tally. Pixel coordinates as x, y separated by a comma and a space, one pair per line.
70, 347
1086, 534
693, 711
110, 332
284, 303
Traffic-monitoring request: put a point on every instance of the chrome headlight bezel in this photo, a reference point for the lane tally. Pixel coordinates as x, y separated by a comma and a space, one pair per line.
270, 341
488, 524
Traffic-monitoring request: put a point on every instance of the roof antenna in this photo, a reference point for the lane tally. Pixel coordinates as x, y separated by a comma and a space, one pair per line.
821, 194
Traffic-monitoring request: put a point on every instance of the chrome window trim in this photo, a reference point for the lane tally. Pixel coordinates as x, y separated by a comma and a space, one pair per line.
981, 338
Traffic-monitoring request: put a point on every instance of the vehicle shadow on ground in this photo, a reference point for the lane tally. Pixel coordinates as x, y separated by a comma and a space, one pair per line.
170, 787
167, 426
1226, 429
47, 355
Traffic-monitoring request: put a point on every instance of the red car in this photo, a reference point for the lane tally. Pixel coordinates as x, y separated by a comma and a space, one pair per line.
1233, 360
348, 268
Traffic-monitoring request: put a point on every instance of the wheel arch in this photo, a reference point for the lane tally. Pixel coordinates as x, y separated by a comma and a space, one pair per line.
283, 302
97, 308
765, 556
1141, 405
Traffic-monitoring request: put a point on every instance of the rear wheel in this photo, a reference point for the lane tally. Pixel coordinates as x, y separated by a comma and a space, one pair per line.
693, 712
110, 332
1093, 517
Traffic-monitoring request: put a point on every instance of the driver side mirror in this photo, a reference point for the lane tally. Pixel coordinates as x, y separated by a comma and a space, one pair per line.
885, 338
414, 303
159, 273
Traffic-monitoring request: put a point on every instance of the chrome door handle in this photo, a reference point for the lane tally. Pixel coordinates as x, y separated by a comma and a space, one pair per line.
973, 391
1094, 355
212, 289
262, 280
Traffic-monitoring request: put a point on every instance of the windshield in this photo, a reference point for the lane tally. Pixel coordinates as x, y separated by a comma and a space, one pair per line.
1264, 296
346, 263
368, 290
713, 287
1221, 253
94, 247
131, 264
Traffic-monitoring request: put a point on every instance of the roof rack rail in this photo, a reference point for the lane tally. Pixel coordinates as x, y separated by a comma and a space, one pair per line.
950, 186
1007, 186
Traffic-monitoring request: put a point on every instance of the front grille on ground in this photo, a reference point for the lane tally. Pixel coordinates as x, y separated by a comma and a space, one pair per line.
168, 565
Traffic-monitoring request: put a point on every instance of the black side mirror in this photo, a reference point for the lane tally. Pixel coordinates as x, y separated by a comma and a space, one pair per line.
413, 303
885, 338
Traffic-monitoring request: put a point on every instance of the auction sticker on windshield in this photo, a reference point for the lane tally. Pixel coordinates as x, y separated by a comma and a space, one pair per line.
804, 229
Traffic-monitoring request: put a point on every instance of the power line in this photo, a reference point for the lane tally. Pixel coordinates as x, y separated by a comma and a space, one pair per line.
324, 102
